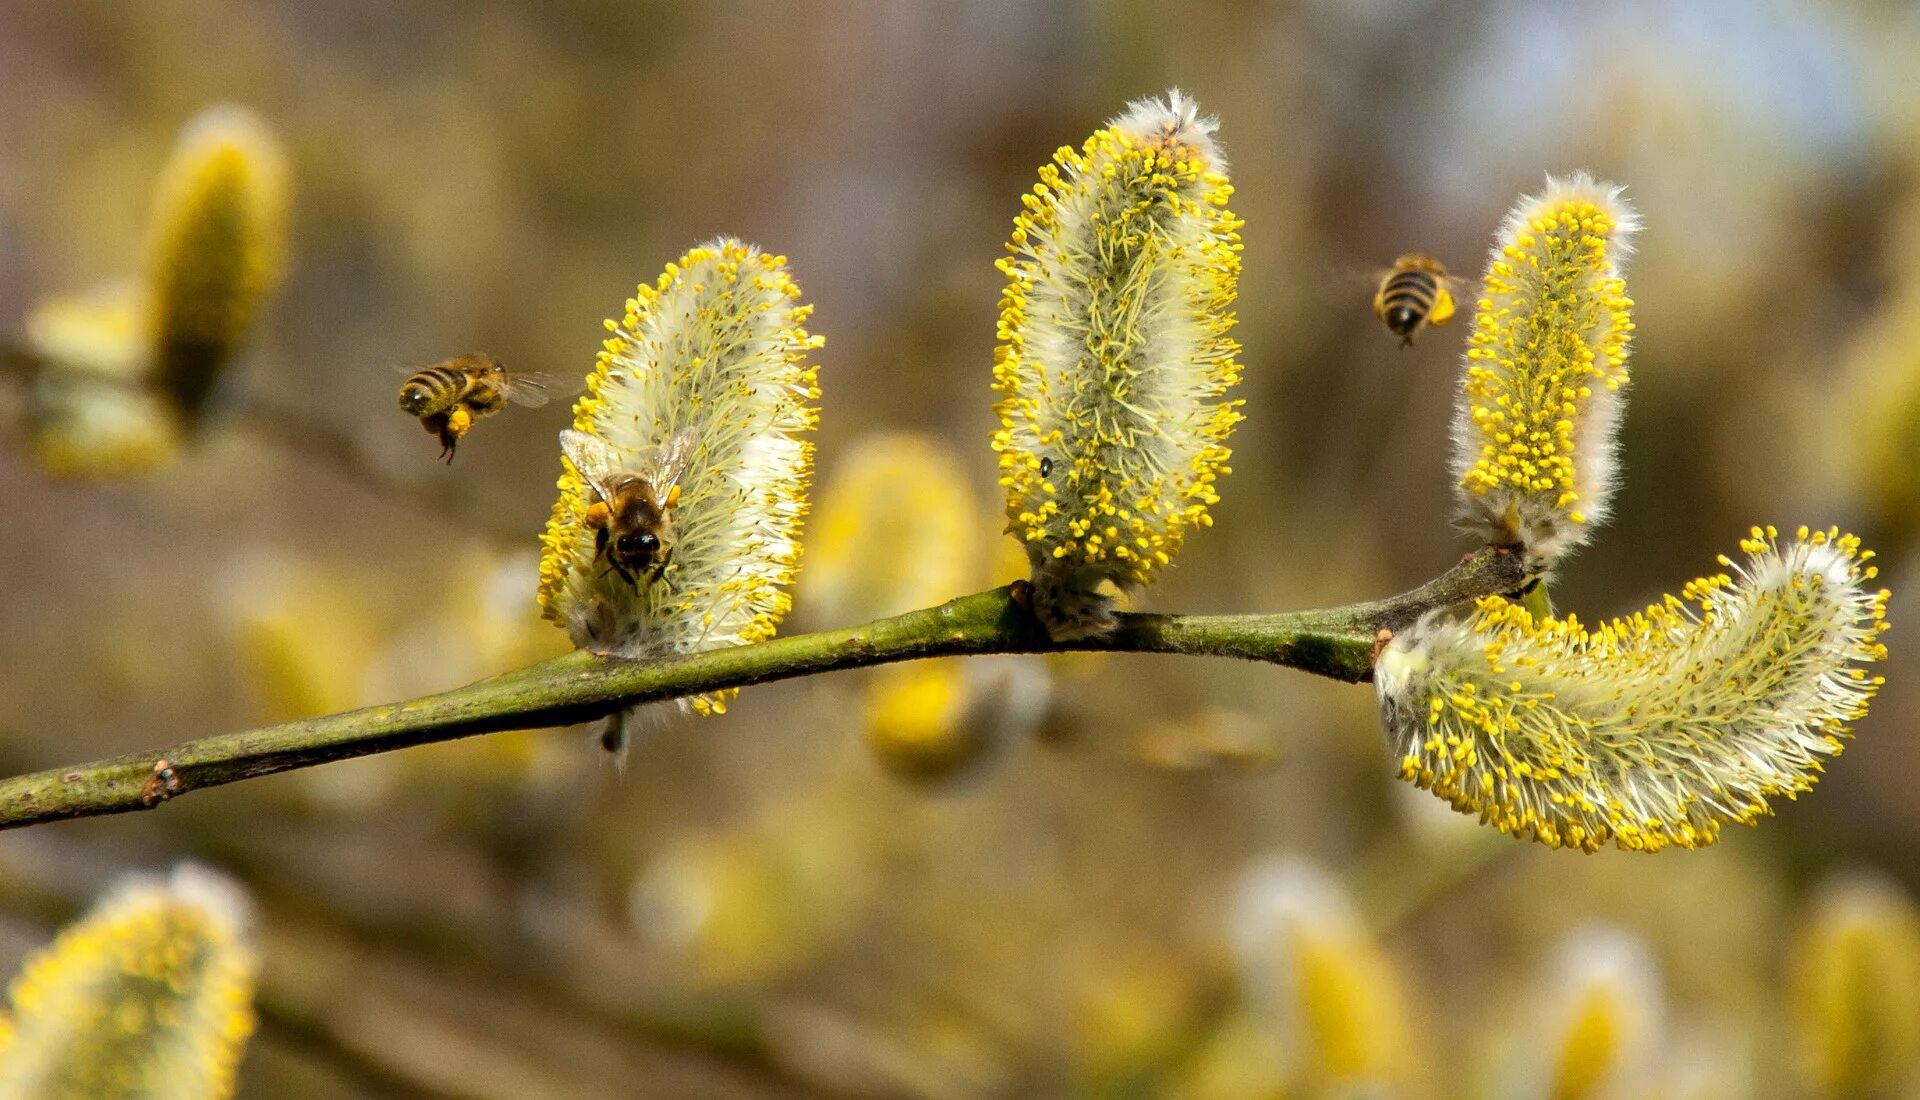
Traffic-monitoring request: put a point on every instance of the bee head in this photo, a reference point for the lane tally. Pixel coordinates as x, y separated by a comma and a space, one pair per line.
414, 398
1401, 319
638, 549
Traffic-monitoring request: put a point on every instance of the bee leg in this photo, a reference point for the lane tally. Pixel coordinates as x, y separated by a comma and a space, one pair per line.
660, 567
447, 442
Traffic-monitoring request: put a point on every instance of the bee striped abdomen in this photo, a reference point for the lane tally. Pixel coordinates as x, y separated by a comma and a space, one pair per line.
1407, 299
1415, 292
433, 390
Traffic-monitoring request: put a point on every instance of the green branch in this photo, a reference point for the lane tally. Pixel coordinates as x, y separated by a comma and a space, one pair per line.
1338, 643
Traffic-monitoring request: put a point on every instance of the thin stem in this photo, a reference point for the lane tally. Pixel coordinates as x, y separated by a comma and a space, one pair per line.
1337, 643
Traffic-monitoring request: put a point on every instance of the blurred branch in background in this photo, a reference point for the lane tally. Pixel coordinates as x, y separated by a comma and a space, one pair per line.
1338, 643
295, 432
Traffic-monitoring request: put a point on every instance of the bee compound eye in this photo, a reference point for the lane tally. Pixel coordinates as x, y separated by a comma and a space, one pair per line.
649, 542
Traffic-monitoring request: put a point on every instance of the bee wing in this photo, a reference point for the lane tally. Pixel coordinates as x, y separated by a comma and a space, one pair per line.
671, 464
594, 460
531, 389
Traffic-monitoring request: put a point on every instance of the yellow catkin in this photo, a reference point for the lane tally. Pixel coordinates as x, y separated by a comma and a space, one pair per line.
1647, 731
1854, 978
90, 414
1546, 368
894, 530
148, 997
1114, 360
1591, 1030
716, 346
1314, 974
216, 249
1875, 421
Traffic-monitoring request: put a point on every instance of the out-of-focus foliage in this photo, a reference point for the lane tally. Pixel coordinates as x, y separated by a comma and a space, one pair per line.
755, 909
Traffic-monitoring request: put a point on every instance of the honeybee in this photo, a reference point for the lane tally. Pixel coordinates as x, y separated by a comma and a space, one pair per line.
448, 397
1414, 293
632, 522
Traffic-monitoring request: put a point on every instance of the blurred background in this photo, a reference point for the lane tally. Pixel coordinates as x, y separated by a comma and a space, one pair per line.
1026, 878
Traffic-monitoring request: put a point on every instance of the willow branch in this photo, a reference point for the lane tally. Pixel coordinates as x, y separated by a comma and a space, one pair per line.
1337, 643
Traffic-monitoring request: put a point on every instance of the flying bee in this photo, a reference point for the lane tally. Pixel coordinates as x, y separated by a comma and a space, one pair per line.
631, 522
448, 397
1414, 293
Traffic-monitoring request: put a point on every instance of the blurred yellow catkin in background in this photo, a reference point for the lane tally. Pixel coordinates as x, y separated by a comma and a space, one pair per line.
1594, 1026
1312, 973
1876, 418
217, 247
127, 368
149, 997
1854, 978
91, 411
896, 530
752, 903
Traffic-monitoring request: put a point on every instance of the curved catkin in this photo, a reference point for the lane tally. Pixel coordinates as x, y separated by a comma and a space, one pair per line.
216, 248
1652, 730
150, 995
1114, 359
717, 346
1854, 980
1543, 390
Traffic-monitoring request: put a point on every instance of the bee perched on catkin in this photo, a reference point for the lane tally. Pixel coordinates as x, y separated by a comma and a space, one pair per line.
1114, 359
148, 995
1541, 395
1647, 731
682, 533
216, 248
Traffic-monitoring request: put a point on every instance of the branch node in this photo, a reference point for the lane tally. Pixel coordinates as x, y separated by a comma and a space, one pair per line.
163, 784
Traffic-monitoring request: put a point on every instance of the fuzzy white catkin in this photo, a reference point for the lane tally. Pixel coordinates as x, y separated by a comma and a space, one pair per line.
1114, 361
716, 347
1546, 369
1648, 731
148, 995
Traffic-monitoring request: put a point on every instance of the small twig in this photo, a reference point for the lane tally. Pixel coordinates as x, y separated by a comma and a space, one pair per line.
579, 687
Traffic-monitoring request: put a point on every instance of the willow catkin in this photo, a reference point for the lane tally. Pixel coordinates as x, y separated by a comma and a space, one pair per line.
1114, 361
1647, 731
